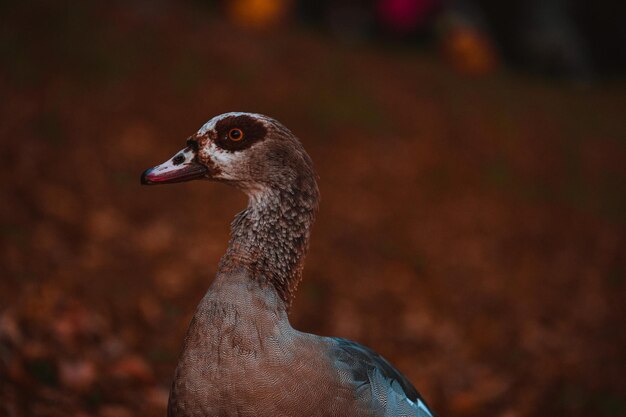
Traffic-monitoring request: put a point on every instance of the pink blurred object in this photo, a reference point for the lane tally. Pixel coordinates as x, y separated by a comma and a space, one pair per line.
404, 16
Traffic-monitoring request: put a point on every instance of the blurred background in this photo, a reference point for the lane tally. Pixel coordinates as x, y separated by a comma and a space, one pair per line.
472, 165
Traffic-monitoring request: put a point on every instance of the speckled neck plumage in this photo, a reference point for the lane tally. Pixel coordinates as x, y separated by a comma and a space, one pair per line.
270, 237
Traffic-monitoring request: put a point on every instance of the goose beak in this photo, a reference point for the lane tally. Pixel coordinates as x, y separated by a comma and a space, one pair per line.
181, 167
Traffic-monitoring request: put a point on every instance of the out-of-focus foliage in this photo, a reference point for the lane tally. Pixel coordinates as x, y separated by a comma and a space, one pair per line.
257, 14
471, 229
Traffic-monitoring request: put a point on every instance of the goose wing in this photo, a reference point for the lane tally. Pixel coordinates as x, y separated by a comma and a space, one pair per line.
377, 382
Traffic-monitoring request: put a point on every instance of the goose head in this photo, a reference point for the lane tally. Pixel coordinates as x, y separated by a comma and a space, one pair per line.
250, 151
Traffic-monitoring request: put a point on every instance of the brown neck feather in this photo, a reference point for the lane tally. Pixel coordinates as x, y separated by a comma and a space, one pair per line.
270, 237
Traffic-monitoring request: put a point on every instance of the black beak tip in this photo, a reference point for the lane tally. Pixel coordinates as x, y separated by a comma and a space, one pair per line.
144, 177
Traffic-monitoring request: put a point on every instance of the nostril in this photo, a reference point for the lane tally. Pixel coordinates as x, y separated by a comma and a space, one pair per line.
178, 159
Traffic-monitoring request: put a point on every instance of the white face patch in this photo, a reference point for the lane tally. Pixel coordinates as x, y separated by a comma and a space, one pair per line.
231, 168
226, 161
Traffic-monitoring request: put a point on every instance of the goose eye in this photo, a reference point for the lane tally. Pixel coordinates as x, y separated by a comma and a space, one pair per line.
235, 134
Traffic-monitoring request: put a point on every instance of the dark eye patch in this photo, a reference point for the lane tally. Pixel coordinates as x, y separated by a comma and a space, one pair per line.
253, 130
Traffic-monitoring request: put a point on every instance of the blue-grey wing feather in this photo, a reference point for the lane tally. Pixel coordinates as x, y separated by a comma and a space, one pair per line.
375, 378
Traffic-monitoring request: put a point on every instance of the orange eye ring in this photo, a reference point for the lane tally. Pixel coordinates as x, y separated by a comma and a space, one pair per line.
235, 134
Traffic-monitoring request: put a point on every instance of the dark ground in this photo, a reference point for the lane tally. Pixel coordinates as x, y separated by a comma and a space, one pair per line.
471, 230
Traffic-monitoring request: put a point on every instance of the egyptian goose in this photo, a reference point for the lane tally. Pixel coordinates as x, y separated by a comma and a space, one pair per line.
241, 357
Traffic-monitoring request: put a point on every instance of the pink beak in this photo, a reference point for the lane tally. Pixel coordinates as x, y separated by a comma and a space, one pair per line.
181, 167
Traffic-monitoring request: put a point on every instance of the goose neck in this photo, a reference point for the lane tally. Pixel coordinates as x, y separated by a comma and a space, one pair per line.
270, 237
